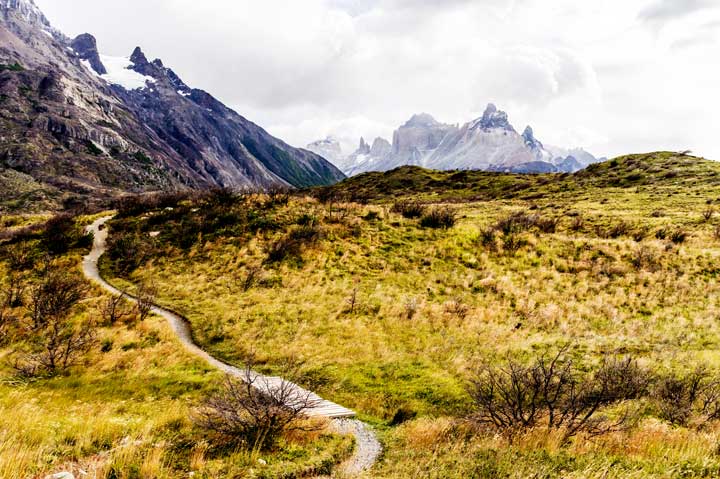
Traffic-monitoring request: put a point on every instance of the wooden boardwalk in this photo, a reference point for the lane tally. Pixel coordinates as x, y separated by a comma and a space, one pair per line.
181, 327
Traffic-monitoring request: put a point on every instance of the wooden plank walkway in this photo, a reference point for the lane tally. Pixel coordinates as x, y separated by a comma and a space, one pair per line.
181, 327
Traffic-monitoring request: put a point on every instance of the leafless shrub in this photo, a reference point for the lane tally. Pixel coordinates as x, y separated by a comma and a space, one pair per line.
681, 399
708, 214
554, 394
57, 347
409, 209
254, 411
54, 296
113, 309
547, 225
352, 301
457, 308
644, 258
657, 214
146, 297
716, 233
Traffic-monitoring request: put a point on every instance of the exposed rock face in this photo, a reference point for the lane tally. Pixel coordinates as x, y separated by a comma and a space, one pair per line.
415, 139
96, 126
487, 143
329, 149
85, 47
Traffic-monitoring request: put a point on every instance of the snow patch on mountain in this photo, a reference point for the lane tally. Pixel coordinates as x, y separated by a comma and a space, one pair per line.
119, 72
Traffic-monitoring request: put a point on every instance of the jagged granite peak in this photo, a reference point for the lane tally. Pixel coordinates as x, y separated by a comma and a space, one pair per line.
329, 148
494, 118
364, 148
530, 140
138, 58
380, 148
487, 143
85, 46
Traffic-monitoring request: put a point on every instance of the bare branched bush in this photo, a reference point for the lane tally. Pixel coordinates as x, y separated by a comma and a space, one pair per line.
146, 296
56, 342
645, 258
716, 233
686, 398
254, 411
440, 217
409, 209
113, 309
54, 296
708, 214
554, 394
577, 224
57, 347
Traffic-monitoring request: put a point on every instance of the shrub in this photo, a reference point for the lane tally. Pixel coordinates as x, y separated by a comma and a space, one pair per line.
554, 394
128, 251
708, 214
716, 233
682, 398
644, 258
254, 411
409, 209
444, 218
61, 233
678, 236
146, 296
113, 310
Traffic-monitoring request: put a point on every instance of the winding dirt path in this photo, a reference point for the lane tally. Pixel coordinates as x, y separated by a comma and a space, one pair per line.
368, 447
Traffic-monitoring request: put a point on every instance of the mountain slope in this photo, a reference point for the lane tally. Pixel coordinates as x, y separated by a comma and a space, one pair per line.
97, 126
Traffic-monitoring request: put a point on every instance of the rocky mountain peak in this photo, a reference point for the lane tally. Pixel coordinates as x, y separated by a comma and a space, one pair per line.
380, 148
421, 120
85, 47
494, 118
530, 140
364, 148
138, 57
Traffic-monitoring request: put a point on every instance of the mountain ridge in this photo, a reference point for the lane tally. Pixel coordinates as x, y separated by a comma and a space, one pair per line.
488, 143
94, 126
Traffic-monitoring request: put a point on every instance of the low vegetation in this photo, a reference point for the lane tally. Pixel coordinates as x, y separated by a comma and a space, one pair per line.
559, 326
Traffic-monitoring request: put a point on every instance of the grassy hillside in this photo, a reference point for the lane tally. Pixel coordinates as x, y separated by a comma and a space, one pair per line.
124, 407
392, 315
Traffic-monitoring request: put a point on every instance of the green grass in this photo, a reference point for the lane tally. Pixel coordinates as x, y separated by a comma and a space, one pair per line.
370, 304
125, 410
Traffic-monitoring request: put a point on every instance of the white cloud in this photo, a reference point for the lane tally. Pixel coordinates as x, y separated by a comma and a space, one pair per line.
614, 76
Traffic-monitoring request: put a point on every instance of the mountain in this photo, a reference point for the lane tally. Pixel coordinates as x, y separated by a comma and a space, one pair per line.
488, 143
87, 125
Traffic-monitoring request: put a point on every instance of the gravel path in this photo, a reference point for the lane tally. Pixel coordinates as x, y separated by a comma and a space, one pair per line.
368, 447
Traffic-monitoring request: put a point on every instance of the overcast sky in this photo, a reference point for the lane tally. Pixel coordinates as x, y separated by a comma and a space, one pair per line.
616, 76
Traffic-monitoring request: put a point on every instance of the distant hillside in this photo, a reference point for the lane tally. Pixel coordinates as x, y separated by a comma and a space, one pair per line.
680, 172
